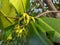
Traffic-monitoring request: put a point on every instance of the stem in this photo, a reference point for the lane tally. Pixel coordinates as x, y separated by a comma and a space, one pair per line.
46, 13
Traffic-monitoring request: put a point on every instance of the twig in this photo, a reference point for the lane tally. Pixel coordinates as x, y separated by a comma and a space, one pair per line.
46, 13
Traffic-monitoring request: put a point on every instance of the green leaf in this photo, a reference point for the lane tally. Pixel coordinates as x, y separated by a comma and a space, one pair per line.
0, 3
52, 26
8, 31
7, 8
43, 39
4, 22
1, 25
20, 5
8, 11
